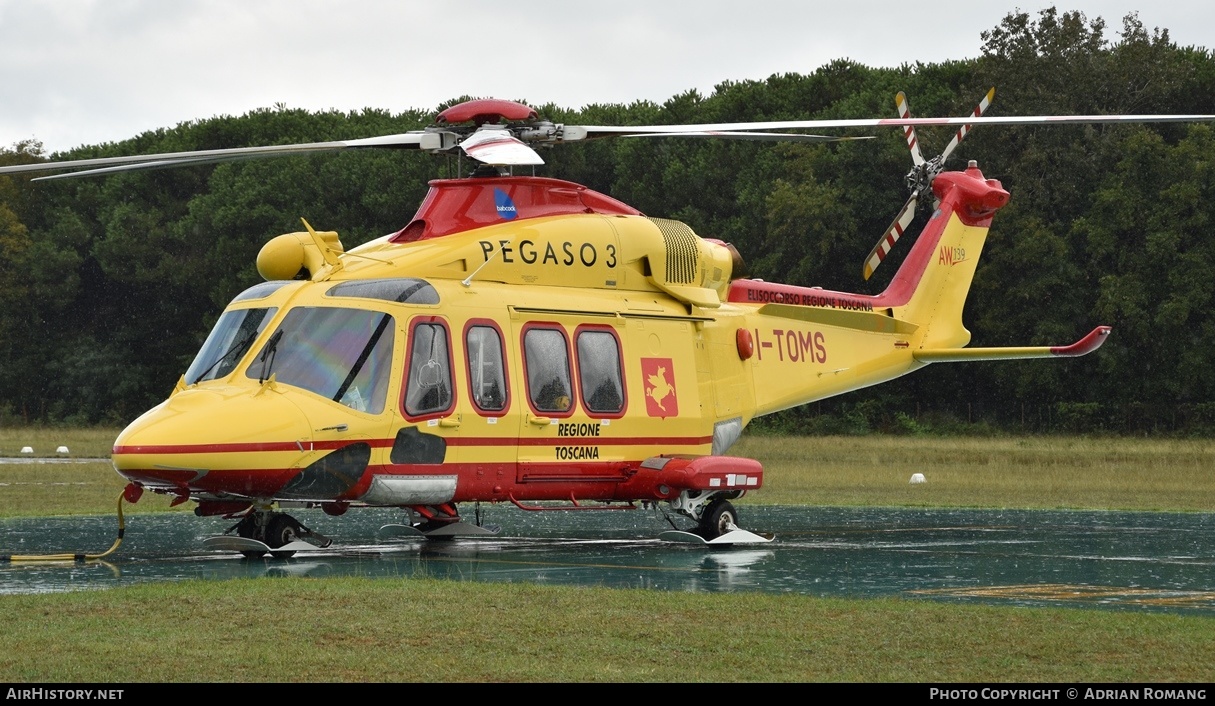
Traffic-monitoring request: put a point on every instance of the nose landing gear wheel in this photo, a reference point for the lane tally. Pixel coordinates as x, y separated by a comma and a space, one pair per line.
266, 531
247, 528
718, 518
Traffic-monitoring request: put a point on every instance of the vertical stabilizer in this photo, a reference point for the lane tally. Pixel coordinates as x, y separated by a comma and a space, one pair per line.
930, 287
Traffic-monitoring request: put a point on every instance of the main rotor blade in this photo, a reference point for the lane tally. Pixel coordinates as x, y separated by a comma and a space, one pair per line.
913, 143
616, 130
158, 164
498, 148
757, 136
961, 133
410, 140
891, 236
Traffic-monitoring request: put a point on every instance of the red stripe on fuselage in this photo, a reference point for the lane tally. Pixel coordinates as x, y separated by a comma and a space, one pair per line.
245, 447
555, 480
584, 441
386, 443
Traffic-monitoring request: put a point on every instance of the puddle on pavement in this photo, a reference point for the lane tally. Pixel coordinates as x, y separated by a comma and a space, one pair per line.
1137, 561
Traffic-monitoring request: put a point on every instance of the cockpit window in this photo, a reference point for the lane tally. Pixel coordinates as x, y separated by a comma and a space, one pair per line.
404, 290
260, 291
340, 354
227, 343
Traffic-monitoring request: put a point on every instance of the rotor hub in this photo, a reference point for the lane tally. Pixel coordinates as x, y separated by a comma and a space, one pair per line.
486, 110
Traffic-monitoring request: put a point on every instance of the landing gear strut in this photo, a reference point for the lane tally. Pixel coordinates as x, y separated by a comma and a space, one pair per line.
718, 518
713, 512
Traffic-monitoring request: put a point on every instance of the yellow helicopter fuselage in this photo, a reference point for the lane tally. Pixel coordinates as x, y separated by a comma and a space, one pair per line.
530, 340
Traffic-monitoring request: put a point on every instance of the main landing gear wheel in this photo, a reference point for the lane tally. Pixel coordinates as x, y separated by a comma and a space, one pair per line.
281, 530
264, 532
718, 518
274, 530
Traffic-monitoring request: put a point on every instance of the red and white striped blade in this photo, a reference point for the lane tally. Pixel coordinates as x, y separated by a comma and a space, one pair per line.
913, 143
961, 133
498, 148
892, 235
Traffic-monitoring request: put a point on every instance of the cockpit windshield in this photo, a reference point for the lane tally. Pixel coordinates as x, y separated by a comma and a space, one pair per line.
341, 354
228, 343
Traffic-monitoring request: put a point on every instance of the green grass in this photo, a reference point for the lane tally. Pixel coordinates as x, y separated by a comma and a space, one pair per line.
62, 489
1021, 472
422, 630
81, 443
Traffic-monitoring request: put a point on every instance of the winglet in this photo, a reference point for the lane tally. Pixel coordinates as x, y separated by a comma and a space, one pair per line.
1085, 345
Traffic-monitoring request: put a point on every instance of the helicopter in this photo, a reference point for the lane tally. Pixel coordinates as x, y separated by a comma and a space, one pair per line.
528, 340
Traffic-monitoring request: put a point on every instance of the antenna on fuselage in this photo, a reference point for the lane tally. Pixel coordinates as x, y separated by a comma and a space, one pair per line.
330, 257
467, 281
366, 257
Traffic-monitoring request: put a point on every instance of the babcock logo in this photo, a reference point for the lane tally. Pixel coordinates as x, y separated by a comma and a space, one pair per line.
506, 207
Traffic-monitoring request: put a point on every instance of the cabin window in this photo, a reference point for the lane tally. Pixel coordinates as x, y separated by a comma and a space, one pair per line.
486, 368
600, 381
340, 354
547, 362
227, 343
430, 383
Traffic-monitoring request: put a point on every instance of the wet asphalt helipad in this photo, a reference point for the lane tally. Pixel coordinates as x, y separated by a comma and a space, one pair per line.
1117, 560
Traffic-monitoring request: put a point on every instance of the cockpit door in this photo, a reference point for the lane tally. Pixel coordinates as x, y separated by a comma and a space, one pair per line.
422, 459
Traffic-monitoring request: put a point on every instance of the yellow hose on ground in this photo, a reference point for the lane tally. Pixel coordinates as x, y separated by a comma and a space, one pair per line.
72, 557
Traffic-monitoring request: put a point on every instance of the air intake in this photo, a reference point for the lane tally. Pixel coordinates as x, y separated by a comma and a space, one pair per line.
680, 244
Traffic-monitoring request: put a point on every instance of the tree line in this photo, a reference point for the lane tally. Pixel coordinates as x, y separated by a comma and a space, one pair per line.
108, 285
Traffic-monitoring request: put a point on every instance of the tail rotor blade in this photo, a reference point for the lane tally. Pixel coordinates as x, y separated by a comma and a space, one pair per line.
961, 133
891, 236
913, 143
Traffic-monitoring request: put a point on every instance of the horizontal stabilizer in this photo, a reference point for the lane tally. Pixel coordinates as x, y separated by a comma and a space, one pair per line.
1084, 346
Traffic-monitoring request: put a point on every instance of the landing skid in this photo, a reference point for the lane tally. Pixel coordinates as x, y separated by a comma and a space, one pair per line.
451, 529
735, 536
252, 547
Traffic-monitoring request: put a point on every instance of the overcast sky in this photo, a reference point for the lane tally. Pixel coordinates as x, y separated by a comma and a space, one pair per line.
79, 72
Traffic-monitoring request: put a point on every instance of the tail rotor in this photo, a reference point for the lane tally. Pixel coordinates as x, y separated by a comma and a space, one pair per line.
961, 133
919, 179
